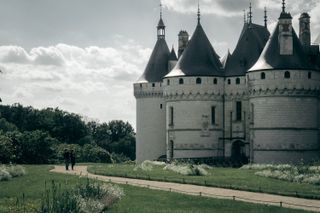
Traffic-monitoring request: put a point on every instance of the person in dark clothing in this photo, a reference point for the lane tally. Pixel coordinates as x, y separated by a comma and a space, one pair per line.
72, 159
66, 156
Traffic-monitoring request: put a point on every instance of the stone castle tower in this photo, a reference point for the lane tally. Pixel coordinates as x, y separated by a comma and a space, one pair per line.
259, 104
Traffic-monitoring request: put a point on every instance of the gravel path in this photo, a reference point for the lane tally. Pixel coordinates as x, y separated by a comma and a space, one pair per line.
251, 197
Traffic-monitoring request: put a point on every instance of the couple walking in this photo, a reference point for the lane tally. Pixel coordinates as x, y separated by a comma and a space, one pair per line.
69, 157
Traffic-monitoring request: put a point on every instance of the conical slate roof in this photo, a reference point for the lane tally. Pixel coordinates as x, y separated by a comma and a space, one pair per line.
225, 59
199, 58
252, 40
271, 59
173, 56
161, 23
157, 66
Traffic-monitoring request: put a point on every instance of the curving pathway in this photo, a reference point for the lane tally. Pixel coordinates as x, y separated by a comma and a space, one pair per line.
251, 197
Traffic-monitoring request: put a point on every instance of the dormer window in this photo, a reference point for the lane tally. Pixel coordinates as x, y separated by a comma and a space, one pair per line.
198, 81
287, 74
181, 81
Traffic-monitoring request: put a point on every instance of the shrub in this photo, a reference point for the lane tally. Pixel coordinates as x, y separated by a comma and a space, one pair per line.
4, 174
187, 169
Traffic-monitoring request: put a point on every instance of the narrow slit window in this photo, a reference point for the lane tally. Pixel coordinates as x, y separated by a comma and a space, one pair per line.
213, 115
171, 116
309, 75
238, 111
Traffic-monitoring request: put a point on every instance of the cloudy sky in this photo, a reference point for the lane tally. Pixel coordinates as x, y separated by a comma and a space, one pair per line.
84, 55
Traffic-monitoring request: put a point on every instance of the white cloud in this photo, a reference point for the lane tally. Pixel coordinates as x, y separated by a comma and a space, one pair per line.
93, 81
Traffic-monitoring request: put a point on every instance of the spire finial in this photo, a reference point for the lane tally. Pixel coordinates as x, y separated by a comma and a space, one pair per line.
265, 17
250, 13
160, 9
283, 6
244, 16
198, 11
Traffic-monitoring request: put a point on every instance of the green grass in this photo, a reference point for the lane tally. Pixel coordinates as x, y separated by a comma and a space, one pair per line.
136, 200
221, 177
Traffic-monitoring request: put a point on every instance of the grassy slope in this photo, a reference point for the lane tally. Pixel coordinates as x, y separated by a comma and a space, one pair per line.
137, 200
224, 177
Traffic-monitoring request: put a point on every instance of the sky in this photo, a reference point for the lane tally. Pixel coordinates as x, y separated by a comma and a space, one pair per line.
83, 56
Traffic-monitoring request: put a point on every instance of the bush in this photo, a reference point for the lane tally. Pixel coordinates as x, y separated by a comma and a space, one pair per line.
4, 174
90, 197
6, 149
11, 171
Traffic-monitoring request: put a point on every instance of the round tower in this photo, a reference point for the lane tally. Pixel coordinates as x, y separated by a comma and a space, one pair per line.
283, 100
193, 92
150, 104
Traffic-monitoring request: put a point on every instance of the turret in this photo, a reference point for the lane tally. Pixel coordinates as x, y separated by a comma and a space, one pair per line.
172, 59
304, 32
285, 32
183, 41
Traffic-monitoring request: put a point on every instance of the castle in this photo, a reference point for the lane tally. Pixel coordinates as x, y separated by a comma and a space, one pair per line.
259, 104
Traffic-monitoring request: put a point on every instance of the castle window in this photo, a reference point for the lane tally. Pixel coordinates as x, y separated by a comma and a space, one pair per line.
181, 81
309, 75
171, 116
198, 81
229, 81
160, 106
168, 82
263, 75
215, 81
237, 80
252, 113
287, 74
140, 85
153, 84
213, 115
238, 111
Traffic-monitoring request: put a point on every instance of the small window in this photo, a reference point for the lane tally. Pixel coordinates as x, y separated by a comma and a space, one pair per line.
237, 80
181, 81
198, 81
153, 84
252, 113
263, 75
215, 81
171, 116
213, 115
140, 85
168, 82
160, 106
238, 111
309, 75
229, 81
287, 74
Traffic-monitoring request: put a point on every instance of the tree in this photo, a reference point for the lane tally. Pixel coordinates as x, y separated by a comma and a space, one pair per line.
6, 149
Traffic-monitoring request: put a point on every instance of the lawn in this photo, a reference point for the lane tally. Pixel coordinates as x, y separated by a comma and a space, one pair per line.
139, 200
220, 177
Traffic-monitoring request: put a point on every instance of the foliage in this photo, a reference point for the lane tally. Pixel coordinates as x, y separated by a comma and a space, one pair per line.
293, 173
11, 171
28, 135
91, 197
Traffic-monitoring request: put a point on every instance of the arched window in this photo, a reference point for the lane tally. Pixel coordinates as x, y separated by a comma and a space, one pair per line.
181, 81
309, 75
263, 75
287, 74
198, 81
229, 81
237, 80
215, 81
168, 82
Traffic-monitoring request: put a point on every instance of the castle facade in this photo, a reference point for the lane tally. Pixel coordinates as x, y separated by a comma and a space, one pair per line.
259, 104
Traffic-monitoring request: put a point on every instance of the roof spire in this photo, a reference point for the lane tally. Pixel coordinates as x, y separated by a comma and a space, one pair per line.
198, 12
250, 13
283, 6
160, 9
265, 17
244, 16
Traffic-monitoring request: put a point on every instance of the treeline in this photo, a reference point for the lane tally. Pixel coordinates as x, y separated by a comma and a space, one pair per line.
29, 135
